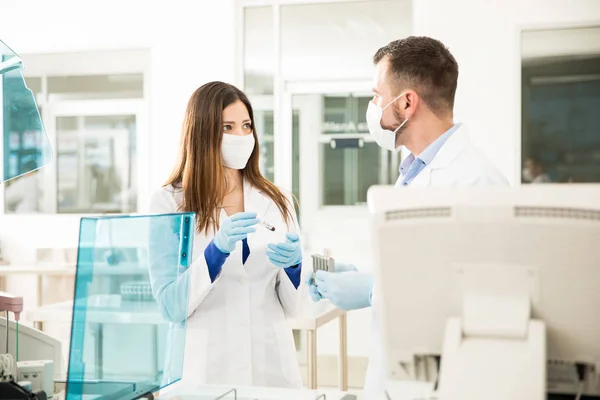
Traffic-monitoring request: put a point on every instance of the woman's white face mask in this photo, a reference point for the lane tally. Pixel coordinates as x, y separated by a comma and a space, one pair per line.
236, 150
384, 137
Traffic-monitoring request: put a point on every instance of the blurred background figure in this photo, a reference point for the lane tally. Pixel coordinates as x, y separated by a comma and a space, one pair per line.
533, 172
22, 194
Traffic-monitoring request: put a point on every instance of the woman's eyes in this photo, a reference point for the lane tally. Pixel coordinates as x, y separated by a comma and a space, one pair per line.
247, 125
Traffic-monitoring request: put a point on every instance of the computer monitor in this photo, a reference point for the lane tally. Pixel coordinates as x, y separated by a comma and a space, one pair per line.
444, 253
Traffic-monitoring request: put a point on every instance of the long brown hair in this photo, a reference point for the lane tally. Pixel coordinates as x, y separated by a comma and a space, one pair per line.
200, 172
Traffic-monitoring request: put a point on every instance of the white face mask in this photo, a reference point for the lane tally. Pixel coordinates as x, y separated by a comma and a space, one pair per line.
384, 137
236, 150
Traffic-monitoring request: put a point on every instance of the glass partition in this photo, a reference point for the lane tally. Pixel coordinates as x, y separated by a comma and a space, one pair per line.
130, 305
24, 146
560, 102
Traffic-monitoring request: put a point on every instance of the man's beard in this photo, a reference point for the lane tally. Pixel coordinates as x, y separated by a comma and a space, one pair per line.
399, 133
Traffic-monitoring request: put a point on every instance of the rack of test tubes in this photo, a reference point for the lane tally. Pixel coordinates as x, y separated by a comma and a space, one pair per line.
324, 262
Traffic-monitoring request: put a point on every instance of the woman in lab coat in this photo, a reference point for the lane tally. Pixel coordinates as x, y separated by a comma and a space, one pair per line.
244, 279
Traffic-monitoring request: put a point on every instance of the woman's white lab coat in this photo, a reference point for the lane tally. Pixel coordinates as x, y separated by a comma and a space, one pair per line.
458, 163
237, 333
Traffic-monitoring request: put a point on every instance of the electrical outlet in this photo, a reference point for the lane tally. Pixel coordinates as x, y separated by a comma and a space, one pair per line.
40, 373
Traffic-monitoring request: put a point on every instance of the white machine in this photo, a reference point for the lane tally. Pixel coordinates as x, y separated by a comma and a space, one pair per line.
39, 358
501, 282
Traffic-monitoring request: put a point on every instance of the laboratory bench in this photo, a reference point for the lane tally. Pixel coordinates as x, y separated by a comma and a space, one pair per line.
111, 312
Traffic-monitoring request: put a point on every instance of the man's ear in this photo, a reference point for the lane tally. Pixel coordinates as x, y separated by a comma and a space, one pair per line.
410, 103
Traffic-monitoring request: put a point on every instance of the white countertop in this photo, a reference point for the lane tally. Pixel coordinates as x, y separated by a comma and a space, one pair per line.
110, 310
403, 390
198, 392
52, 269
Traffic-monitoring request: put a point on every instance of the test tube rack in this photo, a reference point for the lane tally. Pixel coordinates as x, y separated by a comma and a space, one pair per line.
324, 262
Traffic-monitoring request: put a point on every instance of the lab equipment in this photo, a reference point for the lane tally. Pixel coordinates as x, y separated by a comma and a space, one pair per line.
320, 262
39, 374
501, 282
137, 291
27, 148
323, 262
234, 229
33, 345
123, 346
267, 225
9, 388
11, 303
288, 254
14, 304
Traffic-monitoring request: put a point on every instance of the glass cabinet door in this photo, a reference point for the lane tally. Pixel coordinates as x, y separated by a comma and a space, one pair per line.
96, 157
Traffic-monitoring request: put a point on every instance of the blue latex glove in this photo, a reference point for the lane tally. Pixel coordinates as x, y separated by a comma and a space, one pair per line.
288, 254
233, 229
349, 290
312, 288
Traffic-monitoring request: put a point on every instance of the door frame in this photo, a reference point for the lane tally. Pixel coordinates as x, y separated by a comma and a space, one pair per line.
102, 107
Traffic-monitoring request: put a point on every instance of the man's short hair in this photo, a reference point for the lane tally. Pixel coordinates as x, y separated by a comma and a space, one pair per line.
425, 65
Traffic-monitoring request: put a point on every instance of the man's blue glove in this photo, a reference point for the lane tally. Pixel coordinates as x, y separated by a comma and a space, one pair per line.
288, 254
349, 290
233, 229
312, 288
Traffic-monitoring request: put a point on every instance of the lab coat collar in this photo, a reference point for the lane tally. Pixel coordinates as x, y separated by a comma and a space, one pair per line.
450, 151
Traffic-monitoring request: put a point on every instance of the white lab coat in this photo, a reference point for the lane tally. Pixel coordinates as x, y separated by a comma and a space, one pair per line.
457, 163
236, 332
23, 195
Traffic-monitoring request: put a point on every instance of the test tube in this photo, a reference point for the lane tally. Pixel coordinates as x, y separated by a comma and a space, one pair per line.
267, 225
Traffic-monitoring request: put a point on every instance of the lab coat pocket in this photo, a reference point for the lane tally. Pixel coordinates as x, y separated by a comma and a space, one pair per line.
195, 357
288, 358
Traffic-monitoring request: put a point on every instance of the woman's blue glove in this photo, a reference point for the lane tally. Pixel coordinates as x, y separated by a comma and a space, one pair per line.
312, 288
233, 229
288, 254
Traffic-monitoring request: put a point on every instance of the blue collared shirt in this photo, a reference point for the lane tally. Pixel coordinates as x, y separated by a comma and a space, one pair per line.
412, 166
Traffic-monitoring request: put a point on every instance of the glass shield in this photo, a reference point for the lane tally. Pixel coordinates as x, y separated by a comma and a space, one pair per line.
24, 147
130, 305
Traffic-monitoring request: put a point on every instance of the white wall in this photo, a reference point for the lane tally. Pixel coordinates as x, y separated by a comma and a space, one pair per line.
190, 42
325, 41
560, 42
484, 36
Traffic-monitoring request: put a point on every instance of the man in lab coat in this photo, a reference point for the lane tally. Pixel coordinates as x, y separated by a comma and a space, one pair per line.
415, 84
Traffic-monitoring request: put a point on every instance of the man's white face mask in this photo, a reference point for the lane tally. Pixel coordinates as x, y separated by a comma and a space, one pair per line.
236, 150
384, 137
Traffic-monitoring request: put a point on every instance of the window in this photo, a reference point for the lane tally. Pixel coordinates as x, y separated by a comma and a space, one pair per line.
92, 122
560, 119
94, 164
